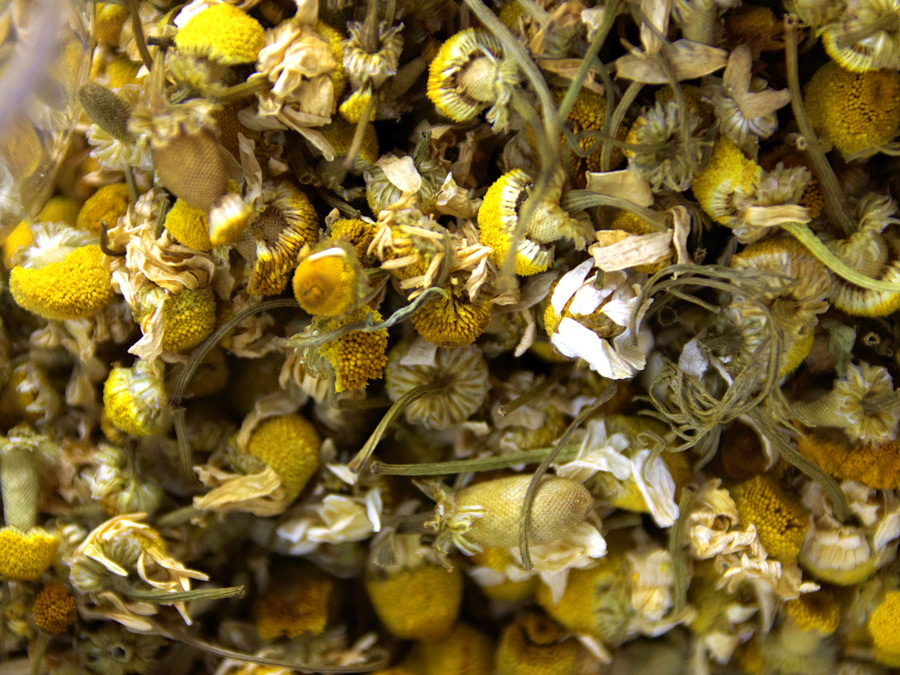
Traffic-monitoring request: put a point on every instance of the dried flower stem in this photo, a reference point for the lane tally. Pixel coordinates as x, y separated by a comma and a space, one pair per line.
104, 242
531, 394
527, 503
576, 200
616, 120
137, 27
470, 465
676, 552
358, 133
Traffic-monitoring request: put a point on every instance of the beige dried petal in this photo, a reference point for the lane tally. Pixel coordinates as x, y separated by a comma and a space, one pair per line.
568, 68
682, 221
453, 200
129, 614
688, 60
150, 346
260, 494
625, 184
770, 216
653, 36
401, 172
630, 250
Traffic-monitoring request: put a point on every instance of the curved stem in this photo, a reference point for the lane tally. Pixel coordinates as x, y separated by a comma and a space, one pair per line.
676, 552
104, 242
618, 117
575, 200
358, 463
137, 28
834, 195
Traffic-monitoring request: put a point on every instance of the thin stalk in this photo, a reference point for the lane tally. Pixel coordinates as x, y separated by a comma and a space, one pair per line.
37, 653
471, 465
358, 463
676, 552
179, 516
369, 34
131, 183
531, 394
161, 597
253, 85
576, 200
618, 117
528, 502
137, 28
834, 195
359, 133
185, 455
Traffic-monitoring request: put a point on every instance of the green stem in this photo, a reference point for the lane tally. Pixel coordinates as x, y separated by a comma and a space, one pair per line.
615, 122
676, 552
168, 597
471, 465
577, 200
253, 85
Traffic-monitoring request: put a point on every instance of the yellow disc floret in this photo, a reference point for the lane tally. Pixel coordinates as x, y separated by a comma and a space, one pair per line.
188, 225
76, 287
818, 611
329, 283
465, 651
452, 320
358, 233
417, 604
223, 33
855, 111
726, 173
874, 464
297, 606
26, 555
188, 318
884, 626
534, 644
780, 519
356, 357
290, 446
109, 203
54, 608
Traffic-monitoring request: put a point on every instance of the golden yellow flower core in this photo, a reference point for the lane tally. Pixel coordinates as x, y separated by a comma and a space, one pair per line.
188, 225
134, 400
452, 321
20, 237
818, 611
884, 626
358, 233
465, 651
297, 606
326, 283
340, 134
76, 287
417, 604
588, 114
334, 39
534, 644
60, 209
121, 71
26, 555
874, 464
726, 172
54, 608
854, 111
356, 357
188, 318
109, 203
353, 108
290, 446
780, 519
223, 33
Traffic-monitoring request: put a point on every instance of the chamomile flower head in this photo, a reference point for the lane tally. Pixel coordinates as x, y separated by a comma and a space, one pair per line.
534, 644
591, 323
668, 159
108, 204
289, 445
382, 192
856, 111
357, 357
222, 33
874, 464
865, 36
135, 399
329, 282
61, 276
463, 371
464, 651
297, 603
588, 113
819, 611
356, 232
26, 555
188, 225
469, 74
188, 317
365, 68
780, 518
499, 214
884, 627
853, 397
452, 320
54, 608
487, 514
286, 221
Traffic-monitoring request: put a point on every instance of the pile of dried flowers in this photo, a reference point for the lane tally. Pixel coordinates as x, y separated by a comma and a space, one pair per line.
422, 336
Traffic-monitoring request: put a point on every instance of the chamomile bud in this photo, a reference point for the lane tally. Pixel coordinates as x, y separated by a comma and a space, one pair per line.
188, 225
534, 644
488, 514
135, 399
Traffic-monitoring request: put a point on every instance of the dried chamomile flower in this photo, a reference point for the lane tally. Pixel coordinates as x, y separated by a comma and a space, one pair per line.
856, 111
222, 33
587, 114
357, 357
410, 244
54, 608
285, 222
61, 276
796, 296
290, 445
187, 316
26, 555
452, 320
498, 219
108, 204
813, 198
737, 193
861, 403
462, 372
419, 173
819, 611
188, 225
591, 323
874, 464
135, 399
864, 36
298, 602
790, 649
495, 571
534, 644
883, 624
415, 597
778, 515
672, 147
874, 250
367, 67
112, 649
744, 106
464, 651
488, 514
756, 26
29, 396
339, 134
470, 73
329, 282
358, 233
119, 487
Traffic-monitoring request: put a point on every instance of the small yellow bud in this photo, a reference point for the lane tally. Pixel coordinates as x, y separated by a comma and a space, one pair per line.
134, 399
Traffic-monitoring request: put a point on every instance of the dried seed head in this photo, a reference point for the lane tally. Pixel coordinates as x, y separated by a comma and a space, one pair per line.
874, 464
188, 225
488, 514
818, 611
54, 608
366, 68
109, 203
192, 167
106, 110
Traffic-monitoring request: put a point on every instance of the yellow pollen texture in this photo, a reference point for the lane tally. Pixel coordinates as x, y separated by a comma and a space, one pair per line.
779, 517
223, 33
290, 446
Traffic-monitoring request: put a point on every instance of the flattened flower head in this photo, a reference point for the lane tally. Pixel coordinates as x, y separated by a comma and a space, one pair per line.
26, 555
357, 357
453, 320
778, 515
189, 225
222, 33
290, 446
54, 608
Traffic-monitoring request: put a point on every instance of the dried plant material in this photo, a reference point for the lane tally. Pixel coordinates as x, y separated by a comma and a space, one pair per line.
624, 184
687, 60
